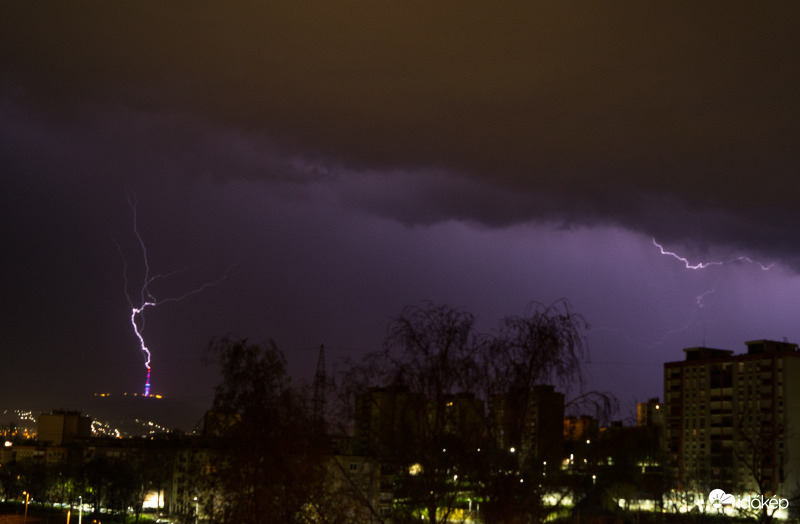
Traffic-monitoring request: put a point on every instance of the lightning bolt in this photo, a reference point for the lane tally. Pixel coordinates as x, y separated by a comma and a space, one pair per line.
146, 298
692, 318
699, 299
704, 265
663, 338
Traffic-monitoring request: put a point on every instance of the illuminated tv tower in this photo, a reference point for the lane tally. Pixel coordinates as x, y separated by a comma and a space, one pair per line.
146, 298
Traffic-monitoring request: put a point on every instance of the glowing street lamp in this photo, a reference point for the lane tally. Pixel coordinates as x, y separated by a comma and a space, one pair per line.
27, 498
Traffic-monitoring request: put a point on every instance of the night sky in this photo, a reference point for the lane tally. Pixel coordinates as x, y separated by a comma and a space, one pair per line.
342, 160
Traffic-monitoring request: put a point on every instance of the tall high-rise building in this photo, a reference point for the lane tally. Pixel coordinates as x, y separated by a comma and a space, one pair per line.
649, 413
733, 421
531, 422
387, 419
580, 428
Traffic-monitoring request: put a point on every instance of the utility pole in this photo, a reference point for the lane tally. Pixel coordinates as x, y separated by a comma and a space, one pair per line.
320, 382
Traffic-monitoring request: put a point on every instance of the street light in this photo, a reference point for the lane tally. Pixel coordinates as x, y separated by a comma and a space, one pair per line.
80, 508
196, 512
27, 498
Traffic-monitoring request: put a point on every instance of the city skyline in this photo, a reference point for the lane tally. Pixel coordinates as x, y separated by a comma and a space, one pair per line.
342, 164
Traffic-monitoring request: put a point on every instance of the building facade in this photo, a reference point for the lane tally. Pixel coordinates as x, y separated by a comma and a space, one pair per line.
530, 422
61, 427
649, 413
732, 422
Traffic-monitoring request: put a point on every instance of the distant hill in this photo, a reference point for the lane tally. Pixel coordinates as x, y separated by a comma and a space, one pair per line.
127, 415
136, 415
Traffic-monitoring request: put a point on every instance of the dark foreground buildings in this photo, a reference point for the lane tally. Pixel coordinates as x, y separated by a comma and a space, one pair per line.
729, 422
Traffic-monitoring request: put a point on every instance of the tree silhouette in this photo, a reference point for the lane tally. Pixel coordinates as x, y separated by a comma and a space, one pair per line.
427, 406
267, 459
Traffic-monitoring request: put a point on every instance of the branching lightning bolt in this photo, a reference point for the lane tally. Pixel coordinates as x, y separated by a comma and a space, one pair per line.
699, 299
146, 297
704, 265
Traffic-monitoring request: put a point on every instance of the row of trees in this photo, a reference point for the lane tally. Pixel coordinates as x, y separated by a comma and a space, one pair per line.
273, 459
115, 484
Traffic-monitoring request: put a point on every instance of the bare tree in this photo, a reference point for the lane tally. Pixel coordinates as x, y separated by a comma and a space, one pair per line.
427, 405
267, 458
546, 345
757, 449
404, 400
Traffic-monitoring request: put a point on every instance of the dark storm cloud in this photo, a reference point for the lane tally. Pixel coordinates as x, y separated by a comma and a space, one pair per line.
665, 118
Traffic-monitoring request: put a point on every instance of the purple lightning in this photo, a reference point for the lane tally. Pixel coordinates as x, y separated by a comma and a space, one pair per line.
146, 298
699, 300
703, 265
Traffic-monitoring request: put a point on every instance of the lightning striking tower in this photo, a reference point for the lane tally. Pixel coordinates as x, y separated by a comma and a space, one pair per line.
146, 298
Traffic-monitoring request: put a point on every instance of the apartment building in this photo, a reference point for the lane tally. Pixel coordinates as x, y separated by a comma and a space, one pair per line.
733, 421
531, 422
649, 413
